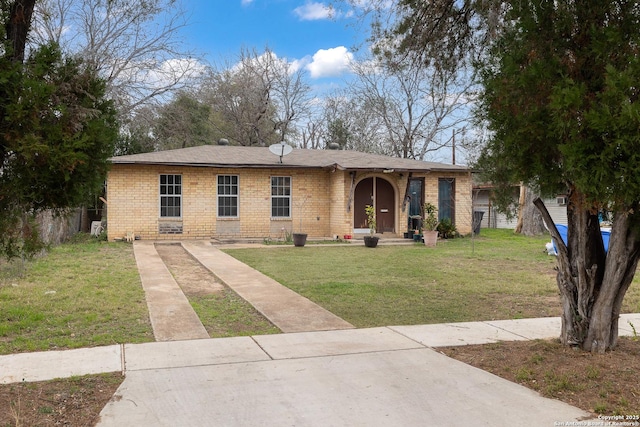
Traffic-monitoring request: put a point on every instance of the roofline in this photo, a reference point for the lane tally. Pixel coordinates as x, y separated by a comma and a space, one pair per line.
280, 166
334, 166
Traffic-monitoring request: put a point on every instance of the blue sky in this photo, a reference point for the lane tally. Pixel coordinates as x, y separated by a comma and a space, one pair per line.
298, 30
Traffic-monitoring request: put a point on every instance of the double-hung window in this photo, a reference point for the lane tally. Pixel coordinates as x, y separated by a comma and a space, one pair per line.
228, 196
170, 196
280, 196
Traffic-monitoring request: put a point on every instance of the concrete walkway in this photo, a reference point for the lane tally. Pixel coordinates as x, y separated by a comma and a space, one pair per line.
361, 377
287, 310
172, 317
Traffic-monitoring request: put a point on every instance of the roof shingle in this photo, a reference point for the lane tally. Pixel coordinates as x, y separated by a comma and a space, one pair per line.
261, 157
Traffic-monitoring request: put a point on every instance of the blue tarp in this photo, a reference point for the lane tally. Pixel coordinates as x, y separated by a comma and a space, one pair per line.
563, 229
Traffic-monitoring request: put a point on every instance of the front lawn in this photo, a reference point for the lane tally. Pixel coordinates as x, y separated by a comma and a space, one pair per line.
80, 294
497, 275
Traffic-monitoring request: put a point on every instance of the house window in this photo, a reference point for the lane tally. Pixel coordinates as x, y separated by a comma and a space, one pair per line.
170, 196
228, 195
281, 196
446, 199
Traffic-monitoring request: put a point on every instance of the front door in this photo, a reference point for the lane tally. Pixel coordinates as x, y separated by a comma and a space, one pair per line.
363, 197
380, 193
385, 201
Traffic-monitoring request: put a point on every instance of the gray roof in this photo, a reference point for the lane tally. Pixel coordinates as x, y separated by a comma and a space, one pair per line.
260, 157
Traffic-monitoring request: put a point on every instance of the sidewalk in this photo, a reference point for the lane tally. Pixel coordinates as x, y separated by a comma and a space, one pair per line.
47, 365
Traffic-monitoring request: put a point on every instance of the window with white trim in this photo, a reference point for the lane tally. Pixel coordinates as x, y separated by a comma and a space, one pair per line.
228, 196
170, 196
280, 196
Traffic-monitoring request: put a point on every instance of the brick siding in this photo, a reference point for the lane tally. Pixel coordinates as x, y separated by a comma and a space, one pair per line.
319, 202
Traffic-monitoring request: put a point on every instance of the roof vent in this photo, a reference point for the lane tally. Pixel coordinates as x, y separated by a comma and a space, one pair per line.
334, 146
223, 141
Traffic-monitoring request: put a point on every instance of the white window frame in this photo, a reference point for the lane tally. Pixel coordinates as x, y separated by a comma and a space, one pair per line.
170, 193
281, 196
225, 195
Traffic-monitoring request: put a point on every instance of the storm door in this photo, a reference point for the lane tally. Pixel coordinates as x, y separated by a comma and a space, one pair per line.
416, 194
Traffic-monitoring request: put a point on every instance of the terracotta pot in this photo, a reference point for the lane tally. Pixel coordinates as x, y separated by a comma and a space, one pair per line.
430, 238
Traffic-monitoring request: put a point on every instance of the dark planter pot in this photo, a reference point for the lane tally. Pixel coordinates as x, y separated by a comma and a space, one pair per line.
299, 239
371, 241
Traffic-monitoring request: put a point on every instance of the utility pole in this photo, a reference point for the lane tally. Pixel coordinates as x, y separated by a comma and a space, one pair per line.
453, 148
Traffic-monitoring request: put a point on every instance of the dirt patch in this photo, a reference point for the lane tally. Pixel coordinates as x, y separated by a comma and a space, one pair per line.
603, 384
522, 307
67, 402
193, 277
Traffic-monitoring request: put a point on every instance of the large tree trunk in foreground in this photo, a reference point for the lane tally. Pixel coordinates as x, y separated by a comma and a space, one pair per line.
592, 283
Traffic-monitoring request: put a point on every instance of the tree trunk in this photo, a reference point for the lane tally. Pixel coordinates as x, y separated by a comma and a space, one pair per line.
592, 283
529, 218
521, 201
17, 27
620, 267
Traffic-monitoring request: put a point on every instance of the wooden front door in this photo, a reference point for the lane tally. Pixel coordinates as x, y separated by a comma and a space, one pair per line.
363, 197
385, 206
383, 201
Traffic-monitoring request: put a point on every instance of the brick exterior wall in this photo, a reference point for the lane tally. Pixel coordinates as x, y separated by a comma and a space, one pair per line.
321, 203
463, 199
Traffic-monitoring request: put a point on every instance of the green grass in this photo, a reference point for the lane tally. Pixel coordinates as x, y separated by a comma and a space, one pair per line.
89, 293
79, 295
497, 275
225, 314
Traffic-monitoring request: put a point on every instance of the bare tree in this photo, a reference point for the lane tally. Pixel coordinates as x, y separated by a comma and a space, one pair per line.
311, 136
258, 99
240, 106
135, 46
419, 105
354, 124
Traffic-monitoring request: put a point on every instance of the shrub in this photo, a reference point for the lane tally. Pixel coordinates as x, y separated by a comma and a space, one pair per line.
446, 229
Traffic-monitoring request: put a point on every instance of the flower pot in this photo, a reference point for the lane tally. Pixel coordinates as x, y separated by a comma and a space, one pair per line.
417, 237
430, 238
371, 241
299, 239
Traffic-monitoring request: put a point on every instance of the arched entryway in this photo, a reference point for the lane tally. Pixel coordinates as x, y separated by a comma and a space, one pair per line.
380, 193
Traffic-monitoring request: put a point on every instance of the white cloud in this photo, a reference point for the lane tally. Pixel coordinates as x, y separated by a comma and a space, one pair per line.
298, 64
314, 11
330, 62
246, 2
167, 72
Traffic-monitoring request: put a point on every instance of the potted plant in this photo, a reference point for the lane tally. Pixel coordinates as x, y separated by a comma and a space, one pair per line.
371, 241
430, 225
299, 238
414, 226
417, 233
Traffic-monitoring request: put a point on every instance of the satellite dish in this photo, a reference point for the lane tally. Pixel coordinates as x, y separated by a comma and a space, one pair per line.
280, 149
